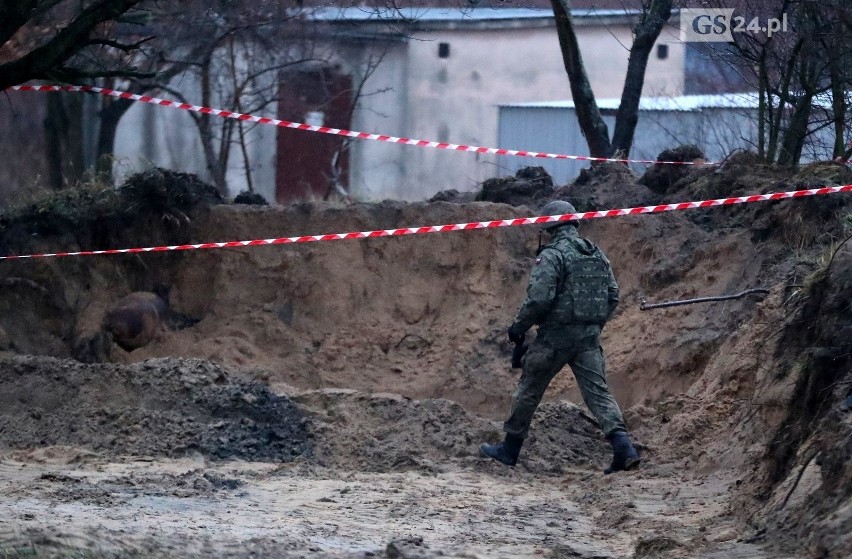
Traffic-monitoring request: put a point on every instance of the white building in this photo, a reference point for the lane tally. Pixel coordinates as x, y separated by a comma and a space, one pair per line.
443, 75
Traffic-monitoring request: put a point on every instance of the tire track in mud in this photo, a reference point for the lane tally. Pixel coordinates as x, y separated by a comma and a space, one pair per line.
309, 511
62, 501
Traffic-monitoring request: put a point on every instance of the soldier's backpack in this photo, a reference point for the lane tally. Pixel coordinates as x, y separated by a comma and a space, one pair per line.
587, 283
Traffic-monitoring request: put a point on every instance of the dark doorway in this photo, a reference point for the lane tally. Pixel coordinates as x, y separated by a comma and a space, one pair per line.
312, 164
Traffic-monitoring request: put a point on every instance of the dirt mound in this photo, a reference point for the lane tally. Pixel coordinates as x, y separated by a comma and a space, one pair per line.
162, 407
662, 178
807, 222
148, 204
603, 187
250, 198
531, 186
453, 196
160, 191
321, 315
387, 432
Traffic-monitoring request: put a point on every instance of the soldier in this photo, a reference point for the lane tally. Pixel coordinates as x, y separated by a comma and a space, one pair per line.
571, 294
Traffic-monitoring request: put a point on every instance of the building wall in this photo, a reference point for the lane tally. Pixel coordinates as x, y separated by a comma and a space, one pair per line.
717, 131
663, 77
416, 94
455, 100
377, 169
155, 136
152, 136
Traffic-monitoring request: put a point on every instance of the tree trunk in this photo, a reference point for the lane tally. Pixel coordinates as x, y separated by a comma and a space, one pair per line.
205, 128
783, 100
797, 131
646, 33
589, 116
838, 106
764, 115
810, 74
64, 134
110, 115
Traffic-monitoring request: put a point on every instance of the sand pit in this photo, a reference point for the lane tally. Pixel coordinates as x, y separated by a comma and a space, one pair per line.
327, 400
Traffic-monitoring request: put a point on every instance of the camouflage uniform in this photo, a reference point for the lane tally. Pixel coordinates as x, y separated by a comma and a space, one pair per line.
561, 340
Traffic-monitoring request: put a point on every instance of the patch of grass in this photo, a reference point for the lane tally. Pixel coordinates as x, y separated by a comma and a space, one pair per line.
813, 282
55, 211
18, 552
824, 171
846, 223
159, 191
154, 193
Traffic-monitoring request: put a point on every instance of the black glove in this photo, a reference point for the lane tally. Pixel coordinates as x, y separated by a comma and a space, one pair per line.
518, 354
515, 335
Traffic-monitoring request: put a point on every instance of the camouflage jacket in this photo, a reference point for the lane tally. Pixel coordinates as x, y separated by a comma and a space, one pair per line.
549, 303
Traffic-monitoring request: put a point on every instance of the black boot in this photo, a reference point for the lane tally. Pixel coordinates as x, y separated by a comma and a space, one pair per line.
506, 452
624, 455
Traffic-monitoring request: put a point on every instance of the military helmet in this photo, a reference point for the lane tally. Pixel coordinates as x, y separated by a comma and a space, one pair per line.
557, 207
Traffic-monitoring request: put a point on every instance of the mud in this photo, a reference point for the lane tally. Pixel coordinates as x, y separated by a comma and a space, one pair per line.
328, 399
386, 432
162, 407
60, 503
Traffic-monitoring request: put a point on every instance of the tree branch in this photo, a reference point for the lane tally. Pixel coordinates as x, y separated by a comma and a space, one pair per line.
120, 46
63, 74
64, 44
14, 15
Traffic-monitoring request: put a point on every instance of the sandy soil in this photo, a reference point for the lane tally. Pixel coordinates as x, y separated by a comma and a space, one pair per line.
327, 400
190, 507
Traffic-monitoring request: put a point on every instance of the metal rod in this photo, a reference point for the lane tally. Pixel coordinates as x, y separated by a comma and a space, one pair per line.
647, 306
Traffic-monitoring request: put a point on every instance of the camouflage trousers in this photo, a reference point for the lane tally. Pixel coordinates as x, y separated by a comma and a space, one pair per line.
541, 363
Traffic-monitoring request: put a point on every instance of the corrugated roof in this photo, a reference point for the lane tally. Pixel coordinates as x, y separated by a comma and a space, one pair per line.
741, 100
678, 103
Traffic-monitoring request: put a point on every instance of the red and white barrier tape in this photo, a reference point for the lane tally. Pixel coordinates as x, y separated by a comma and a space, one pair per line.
334, 131
461, 226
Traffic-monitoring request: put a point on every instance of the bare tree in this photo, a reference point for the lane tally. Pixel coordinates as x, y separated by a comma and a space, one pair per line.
654, 15
801, 74
230, 56
235, 55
